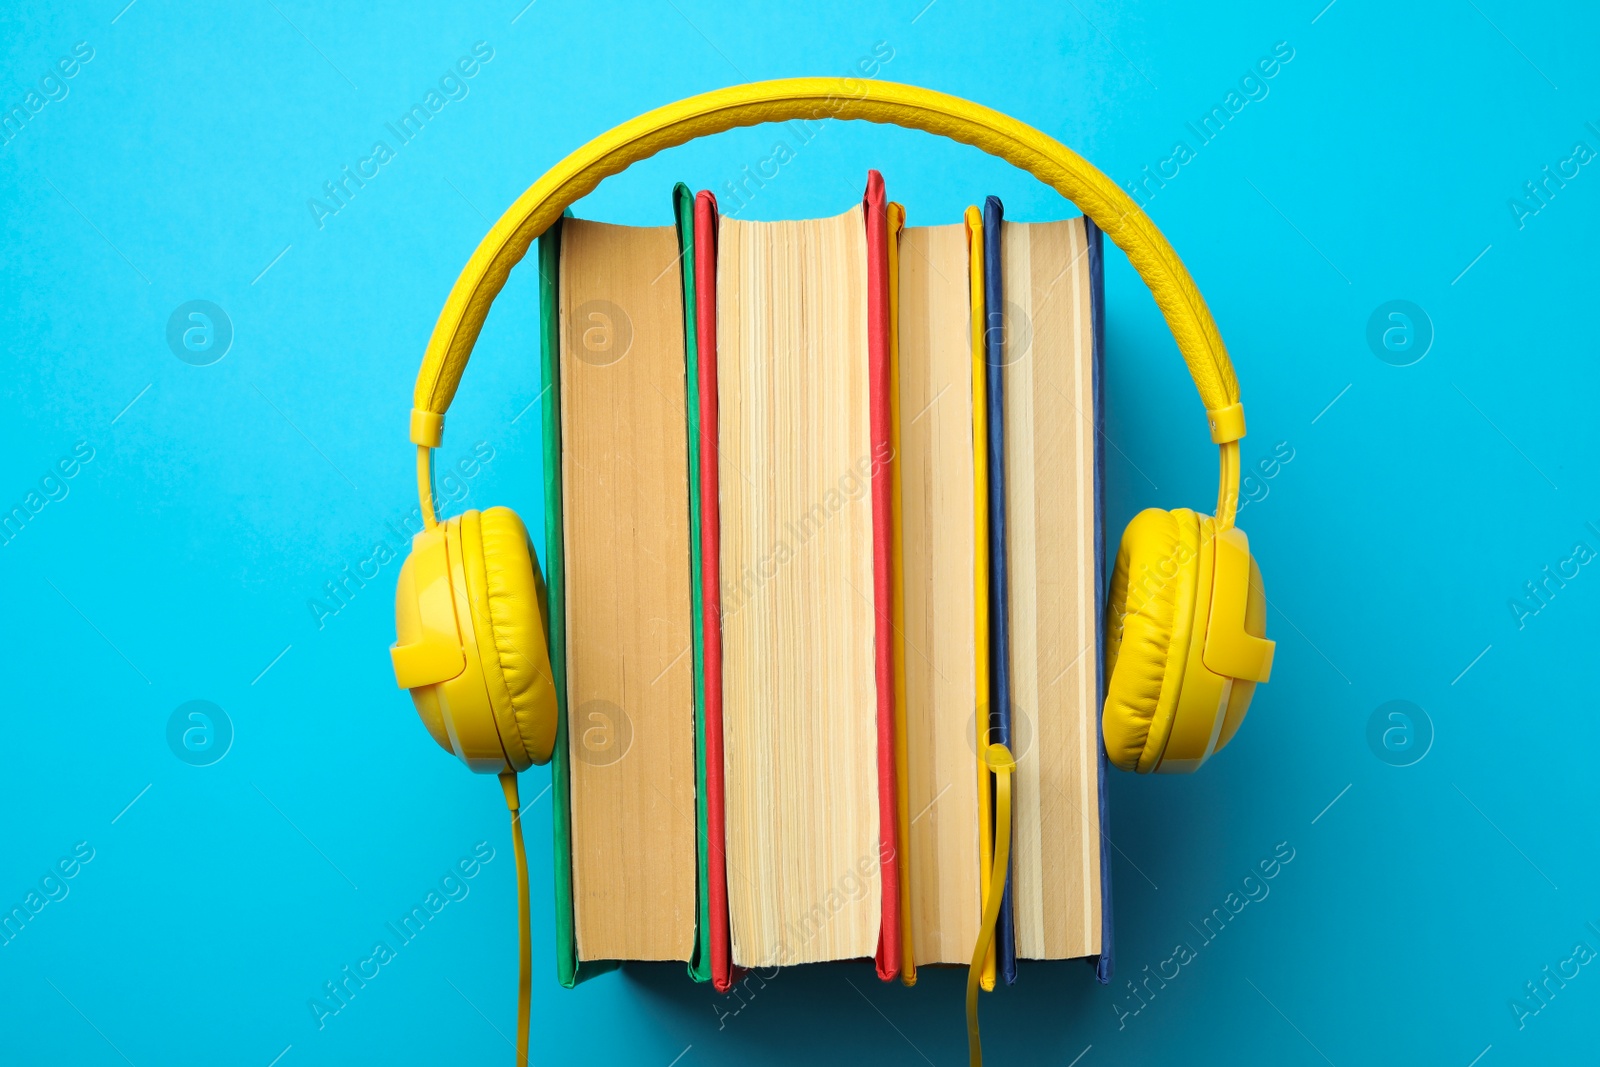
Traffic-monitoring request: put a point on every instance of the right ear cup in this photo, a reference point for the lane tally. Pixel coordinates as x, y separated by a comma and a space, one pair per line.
503, 591
1150, 619
1255, 624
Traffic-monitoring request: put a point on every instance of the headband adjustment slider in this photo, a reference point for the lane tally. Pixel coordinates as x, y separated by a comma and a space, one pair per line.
1227, 424
427, 428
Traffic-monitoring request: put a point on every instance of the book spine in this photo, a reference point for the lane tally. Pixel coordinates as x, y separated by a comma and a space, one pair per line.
705, 276
980, 574
683, 220
1000, 613
877, 224
1097, 313
555, 599
908, 962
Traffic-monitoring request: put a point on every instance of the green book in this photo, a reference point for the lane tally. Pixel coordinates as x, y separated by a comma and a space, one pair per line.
600, 811
555, 608
683, 210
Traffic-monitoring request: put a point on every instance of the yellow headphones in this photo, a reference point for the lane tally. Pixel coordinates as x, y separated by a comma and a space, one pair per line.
1185, 641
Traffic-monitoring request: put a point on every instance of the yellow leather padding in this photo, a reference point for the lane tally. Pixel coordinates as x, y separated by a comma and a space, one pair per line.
503, 592
844, 98
1150, 619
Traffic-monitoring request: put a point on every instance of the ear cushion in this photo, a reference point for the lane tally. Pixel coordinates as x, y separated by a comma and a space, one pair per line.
503, 590
1149, 622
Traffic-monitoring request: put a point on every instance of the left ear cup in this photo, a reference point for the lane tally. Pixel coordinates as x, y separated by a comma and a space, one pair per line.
413, 632
1156, 598
503, 591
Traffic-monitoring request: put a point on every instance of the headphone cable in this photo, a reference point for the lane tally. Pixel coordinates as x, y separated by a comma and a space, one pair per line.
998, 757
508, 782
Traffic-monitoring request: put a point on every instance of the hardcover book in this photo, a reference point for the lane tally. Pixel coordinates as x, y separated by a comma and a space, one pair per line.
823, 520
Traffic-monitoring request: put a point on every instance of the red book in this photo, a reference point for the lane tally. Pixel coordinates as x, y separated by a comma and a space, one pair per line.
888, 954
705, 280
877, 221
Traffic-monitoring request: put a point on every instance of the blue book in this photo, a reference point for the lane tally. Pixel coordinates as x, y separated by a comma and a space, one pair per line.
999, 616
1097, 303
1043, 341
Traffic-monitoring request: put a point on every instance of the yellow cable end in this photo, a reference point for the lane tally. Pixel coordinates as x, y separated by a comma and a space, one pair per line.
998, 759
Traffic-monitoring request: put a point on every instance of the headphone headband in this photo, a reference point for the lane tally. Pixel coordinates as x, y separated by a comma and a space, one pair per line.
1019, 144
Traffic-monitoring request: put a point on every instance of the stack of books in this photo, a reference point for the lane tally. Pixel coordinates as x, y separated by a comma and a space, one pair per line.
823, 519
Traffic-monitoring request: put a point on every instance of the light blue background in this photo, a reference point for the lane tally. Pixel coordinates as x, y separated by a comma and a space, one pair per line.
180, 565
